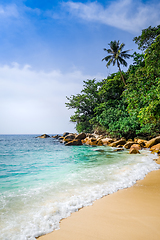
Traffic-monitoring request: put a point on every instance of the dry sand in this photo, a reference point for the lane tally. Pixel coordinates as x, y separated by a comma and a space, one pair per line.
129, 214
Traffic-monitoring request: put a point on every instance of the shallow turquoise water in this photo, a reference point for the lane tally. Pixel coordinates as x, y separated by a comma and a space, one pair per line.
43, 181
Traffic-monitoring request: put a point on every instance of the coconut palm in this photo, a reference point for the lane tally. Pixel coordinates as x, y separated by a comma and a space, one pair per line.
116, 56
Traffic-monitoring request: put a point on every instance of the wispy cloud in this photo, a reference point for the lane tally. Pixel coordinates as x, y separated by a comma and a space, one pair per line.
34, 102
10, 10
128, 15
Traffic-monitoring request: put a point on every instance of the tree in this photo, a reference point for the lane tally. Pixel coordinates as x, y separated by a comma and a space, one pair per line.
147, 37
84, 105
116, 56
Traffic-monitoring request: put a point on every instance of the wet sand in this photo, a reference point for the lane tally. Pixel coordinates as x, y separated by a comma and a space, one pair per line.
129, 214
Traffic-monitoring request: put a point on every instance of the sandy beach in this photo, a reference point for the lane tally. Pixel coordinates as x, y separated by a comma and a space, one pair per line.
129, 214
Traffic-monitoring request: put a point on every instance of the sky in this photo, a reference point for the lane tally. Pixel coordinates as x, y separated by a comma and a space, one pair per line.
48, 48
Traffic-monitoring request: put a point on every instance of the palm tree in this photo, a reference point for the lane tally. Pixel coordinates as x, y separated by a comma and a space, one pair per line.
116, 56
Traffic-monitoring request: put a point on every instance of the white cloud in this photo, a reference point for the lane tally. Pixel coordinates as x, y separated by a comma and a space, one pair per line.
128, 15
34, 102
10, 10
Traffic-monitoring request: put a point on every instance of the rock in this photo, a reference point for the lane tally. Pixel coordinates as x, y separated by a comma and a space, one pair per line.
65, 134
157, 160
69, 137
56, 136
153, 142
81, 136
155, 148
43, 136
119, 146
90, 141
90, 135
107, 141
118, 149
142, 142
133, 151
99, 142
128, 144
74, 142
136, 146
121, 141
61, 138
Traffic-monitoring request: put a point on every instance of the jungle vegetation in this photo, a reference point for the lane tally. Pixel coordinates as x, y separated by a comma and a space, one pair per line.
127, 108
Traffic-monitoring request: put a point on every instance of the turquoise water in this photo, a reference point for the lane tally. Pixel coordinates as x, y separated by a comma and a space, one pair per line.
43, 181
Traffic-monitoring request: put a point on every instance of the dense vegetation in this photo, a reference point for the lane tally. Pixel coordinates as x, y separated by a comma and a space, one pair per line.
124, 110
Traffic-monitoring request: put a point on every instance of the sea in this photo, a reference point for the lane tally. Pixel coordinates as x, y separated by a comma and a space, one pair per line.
42, 181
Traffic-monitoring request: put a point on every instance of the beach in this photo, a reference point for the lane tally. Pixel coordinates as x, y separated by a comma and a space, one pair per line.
132, 213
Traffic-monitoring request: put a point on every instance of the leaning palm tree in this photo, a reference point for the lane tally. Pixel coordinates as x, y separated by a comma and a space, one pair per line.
116, 56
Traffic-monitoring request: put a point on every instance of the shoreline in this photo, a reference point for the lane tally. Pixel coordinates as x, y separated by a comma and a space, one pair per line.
131, 213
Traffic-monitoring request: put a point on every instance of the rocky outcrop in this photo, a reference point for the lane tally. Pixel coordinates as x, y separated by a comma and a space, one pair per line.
121, 141
107, 141
43, 136
136, 146
141, 142
90, 141
118, 149
133, 151
81, 136
74, 142
128, 144
65, 134
153, 142
56, 136
69, 137
156, 148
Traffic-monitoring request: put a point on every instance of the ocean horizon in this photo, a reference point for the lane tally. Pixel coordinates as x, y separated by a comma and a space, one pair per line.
43, 181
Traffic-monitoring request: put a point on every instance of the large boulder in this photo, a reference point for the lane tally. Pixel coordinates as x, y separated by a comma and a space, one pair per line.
90, 135
107, 141
81, 136
43, 136
69, 137
90, 141
142, 142
133, 151
99, 142
136, 146
74, 142
153, 142
128, 144
56, 136
155, 148
65, 134
121, 141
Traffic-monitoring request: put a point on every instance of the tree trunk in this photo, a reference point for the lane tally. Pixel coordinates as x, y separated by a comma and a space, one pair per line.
121, 73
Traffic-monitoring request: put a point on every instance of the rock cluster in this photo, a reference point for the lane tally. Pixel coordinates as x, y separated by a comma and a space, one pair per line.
73, 139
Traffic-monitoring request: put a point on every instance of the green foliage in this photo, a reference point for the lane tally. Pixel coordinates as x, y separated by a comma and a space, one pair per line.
147, 37
84, 105
124, 110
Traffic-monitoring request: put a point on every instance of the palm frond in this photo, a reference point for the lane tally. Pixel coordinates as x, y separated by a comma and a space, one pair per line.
122, 61
121, 46
109, 62
107, 58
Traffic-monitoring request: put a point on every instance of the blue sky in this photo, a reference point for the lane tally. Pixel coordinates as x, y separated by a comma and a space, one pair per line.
47, 49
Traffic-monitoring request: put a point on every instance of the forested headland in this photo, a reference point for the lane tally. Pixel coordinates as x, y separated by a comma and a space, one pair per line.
125, 104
